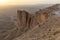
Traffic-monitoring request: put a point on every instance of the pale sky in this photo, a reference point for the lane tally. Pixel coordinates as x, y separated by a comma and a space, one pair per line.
28, 2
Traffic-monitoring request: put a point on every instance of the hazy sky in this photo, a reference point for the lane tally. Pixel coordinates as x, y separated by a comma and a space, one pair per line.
28, 2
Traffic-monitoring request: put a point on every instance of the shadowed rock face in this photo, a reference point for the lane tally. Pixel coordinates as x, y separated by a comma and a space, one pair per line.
23, 18
26, 20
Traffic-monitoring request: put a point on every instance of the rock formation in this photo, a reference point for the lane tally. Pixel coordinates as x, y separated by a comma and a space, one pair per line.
48, 30
36, 26
27, 20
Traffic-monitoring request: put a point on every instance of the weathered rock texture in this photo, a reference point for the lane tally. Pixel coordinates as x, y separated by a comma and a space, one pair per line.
26, 20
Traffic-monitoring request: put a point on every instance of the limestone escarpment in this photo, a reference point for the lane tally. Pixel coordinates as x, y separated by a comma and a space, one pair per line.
28, 21
41, 17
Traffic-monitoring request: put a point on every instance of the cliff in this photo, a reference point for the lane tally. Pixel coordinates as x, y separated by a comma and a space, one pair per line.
46, 25
28, 21
39, 26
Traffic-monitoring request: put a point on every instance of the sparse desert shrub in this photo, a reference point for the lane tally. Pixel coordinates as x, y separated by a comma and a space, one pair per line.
55, 32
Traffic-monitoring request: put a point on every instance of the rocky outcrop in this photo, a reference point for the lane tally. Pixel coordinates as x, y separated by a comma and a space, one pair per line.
45, 25
28, 21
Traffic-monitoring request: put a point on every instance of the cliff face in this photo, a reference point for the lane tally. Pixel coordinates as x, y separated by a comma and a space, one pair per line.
48, 30
25, 19
28, 21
